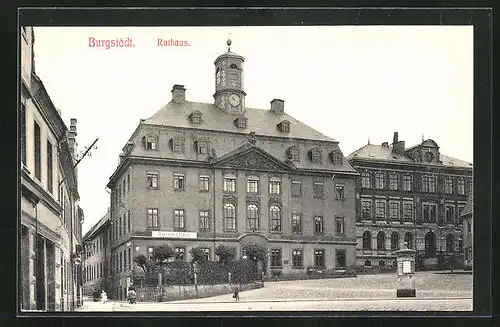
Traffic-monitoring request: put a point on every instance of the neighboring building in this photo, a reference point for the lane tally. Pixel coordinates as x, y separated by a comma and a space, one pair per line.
50, 217
96, 256
203, 174
414, 195
468, 232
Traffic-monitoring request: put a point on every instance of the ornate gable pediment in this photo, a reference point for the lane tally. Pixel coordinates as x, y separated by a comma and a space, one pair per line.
253, 159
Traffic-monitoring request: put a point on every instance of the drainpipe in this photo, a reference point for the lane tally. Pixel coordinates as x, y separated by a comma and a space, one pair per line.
71, 254
213, 202
35, 205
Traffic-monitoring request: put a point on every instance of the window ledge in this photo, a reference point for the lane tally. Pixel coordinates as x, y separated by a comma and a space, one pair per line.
152, 188
295, 267
276, 267
179, 189
204, 191
179, 229
340, 199
230, 230
276, 231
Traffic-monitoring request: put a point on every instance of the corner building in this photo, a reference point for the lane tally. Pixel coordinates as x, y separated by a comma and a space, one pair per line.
412, 195
203, 174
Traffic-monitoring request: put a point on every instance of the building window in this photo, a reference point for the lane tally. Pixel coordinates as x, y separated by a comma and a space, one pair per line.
252, 184
340, 258
393, 182
296, 223
285, 126
366, 206
151, 143
50, 179
124, 262
407, 183
428, 183
38, 153
206, 253
253, 217
294, 154
296, 188
276, 258
204, 183
178, 145
318, 190
152, 180
432, 184
22, 116
153, 218
379, 181
339, 191
381, 241
196, 118
469, 227
297, 260
179, 219
429, 212
275, 218
120, 262
366, 180
202, 147
450, 213
229, 184
179, 182
339, 225
461, 186
337, 158
124, 224
204, 220
128, 220
319, 258
407, 211
380, 209
274, 186
448, 185
129, 258
229, 217
394, 210
318, 225
120, 227
394, 241
316, 156
180, 253
241, 122
367, 240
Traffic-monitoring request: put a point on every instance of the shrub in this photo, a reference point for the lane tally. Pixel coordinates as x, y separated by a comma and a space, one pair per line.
142, 261
225, 253
198, 255
162, 253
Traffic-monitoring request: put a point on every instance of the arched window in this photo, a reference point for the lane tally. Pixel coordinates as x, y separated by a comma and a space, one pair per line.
229, 217
234, 66
394, 241
336, 158
381, 241
293, 153
275, 218
316, 156
367, 240
178, 144
409, 240
430, 244
202, 146
252, 217
450, 243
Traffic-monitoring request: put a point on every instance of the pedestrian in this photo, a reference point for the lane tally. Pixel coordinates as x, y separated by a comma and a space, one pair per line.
236, 294
132, 296
104, 297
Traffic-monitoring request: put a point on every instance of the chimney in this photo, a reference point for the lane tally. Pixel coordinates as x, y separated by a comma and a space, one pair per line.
278, 106
398, 146
178, 93
385, 144
72, 136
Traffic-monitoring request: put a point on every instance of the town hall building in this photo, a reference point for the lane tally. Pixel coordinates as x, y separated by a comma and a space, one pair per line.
204, 174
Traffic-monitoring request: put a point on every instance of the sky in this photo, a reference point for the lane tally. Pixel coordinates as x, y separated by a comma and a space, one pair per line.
351, 83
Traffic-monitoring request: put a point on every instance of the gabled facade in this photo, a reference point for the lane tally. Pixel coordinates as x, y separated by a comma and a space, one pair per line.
50, 217
412, 195
222, 173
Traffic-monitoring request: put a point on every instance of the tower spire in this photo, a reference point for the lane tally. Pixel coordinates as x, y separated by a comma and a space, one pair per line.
229, 43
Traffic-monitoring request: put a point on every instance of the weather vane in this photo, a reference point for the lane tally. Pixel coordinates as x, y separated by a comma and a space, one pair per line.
229, 42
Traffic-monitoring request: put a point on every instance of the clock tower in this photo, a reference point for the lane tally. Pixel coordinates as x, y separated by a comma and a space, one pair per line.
229, 94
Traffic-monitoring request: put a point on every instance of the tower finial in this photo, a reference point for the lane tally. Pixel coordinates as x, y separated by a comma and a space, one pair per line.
368, 141
229, 42
422, 137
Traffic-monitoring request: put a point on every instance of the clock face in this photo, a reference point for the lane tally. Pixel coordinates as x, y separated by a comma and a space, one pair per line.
234, 100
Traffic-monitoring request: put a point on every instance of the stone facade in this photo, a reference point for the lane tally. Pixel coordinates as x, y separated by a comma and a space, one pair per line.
251, 171
409, 195
50, 217
468, 232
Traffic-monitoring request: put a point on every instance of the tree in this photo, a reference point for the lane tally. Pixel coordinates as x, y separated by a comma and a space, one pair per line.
198, 255
255, 252
162, 253
141, 261
224, 253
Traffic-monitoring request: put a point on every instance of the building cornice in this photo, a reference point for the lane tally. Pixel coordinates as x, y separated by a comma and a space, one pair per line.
365, 163
35, 192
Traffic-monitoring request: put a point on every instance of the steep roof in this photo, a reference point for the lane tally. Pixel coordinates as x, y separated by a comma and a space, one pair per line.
380, 152
260, 121
469, 208
96, 227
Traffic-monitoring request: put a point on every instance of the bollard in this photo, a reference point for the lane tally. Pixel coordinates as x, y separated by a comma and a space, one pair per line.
229, 278
406, 272
196, 284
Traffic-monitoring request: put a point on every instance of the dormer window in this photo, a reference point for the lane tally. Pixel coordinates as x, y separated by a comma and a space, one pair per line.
201, 146
195, 117
336, 157
234, 66
315, 155
293, 153
241, 122
284, 126
150, 142
177, 144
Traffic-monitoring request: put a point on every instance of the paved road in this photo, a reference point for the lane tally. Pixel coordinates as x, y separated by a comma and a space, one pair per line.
435, 291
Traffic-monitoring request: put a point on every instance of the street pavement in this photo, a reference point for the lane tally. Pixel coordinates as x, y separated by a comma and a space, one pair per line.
435, 292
